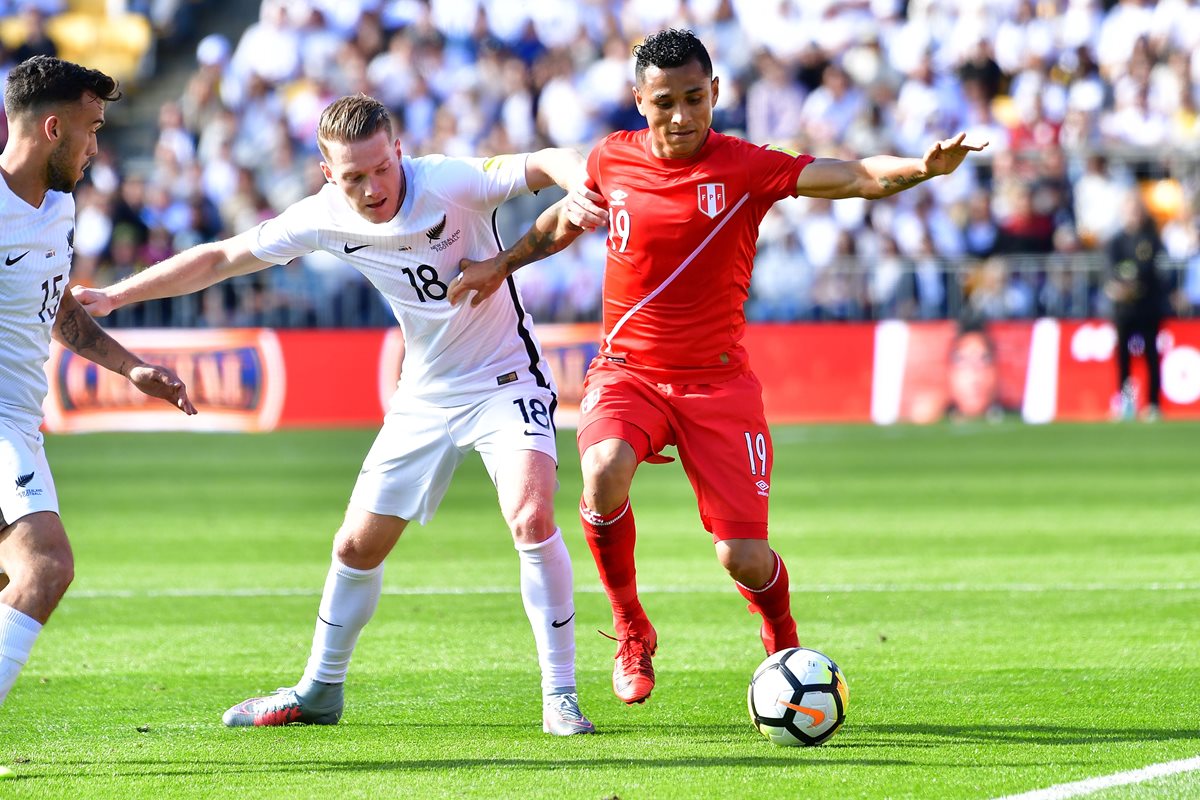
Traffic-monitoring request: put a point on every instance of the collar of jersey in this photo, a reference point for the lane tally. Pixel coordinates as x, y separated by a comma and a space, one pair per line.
410, 190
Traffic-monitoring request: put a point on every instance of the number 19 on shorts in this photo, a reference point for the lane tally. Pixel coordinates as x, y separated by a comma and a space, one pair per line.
756, 449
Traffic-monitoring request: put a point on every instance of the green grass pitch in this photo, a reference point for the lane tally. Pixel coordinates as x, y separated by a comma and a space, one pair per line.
1014, 607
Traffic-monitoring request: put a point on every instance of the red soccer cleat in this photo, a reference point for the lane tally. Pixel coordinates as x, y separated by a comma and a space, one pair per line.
779, 637
633, 672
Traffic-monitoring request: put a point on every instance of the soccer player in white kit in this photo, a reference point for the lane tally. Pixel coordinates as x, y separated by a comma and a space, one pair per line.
54, 110
473, 379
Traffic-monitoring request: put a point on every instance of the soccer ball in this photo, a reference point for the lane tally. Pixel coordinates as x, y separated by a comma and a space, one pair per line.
798, 697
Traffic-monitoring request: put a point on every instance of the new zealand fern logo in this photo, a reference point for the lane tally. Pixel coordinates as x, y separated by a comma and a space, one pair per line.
435, 233
23, 480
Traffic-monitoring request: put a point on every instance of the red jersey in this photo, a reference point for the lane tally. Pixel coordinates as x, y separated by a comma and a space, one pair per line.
682, 237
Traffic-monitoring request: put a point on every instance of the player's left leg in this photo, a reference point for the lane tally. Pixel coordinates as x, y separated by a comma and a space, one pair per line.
725, 448
762, 578
519, 452
34, 551
38, 562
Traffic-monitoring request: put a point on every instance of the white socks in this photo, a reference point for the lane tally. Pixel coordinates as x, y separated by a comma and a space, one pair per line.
351, 596
18, 632
349, 600
547, 592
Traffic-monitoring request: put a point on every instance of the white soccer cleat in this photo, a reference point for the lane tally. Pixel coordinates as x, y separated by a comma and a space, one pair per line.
561, 715
283, 707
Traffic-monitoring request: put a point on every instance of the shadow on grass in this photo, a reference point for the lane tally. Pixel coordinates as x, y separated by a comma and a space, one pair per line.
1017, 733
151, 768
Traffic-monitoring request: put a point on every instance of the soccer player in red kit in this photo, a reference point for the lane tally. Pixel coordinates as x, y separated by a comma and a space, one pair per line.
685, 203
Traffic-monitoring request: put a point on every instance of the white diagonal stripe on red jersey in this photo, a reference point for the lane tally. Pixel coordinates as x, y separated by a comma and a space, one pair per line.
659, 289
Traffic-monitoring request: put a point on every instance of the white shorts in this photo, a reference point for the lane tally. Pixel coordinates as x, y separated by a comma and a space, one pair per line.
26, 485
408, 469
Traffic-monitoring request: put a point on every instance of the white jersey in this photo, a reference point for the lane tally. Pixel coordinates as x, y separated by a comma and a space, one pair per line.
36, 246
452, 354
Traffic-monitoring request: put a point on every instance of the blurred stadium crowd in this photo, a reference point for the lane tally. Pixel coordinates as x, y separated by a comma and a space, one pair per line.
1083, 102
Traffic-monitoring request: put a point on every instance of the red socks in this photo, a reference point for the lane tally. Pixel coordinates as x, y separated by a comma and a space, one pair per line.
611, 539
774, 602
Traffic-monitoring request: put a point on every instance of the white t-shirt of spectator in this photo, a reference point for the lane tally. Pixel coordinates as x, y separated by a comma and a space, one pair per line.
37, 245
452, 353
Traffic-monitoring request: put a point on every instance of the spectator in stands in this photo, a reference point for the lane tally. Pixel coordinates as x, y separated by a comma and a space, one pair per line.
37, 41
506, 72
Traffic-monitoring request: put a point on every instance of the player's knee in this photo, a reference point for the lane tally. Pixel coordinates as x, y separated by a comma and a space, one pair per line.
532, 523
52, 571
608, 469
356, 551
749, 566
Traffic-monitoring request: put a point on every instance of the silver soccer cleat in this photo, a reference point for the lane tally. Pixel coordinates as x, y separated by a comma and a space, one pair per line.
561, 716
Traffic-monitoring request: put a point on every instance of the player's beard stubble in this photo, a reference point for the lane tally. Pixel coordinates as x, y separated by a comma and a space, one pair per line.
61, 175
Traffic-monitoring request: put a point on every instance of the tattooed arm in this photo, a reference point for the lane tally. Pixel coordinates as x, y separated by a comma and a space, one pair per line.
552, 231
881, 176
75, 329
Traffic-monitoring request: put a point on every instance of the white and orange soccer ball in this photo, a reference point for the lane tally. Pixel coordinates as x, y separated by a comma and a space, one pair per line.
798, 697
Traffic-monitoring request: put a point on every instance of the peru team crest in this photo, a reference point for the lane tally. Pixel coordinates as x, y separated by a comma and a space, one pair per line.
711, 199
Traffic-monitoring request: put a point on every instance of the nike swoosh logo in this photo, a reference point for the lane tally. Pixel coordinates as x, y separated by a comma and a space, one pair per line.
10, 260
557, 624
348, 249
327, 622
817, 716
536, 433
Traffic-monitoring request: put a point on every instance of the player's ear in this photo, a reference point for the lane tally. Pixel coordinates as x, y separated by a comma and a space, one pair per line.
716, 87
637, 99
328, 172
399, 150
52, 127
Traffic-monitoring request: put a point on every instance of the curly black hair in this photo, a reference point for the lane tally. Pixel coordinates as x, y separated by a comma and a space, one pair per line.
43, 81
670, 48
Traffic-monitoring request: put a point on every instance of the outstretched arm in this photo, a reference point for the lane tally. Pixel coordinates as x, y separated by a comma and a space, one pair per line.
78, 332
566, 168
190, 271
882, 176
552, 231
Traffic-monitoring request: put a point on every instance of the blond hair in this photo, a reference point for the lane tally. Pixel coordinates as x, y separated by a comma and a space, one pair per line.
352, 119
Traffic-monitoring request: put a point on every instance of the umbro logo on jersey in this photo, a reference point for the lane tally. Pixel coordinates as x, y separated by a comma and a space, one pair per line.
9, 261
23, 480
435, 233
347, 248
617, 198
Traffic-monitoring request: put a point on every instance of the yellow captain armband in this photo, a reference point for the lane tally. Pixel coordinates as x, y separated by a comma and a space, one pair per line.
494, 162
781, 149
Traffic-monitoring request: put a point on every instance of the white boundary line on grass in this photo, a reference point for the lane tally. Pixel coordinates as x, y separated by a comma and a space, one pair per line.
1078, 788
837, 588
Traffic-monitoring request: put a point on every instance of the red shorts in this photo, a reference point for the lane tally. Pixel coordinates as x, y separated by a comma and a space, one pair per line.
719, 428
